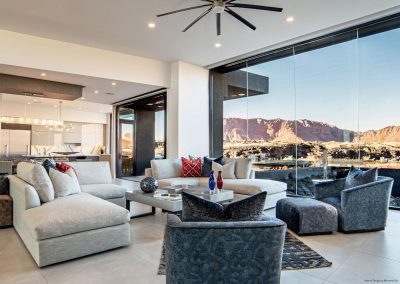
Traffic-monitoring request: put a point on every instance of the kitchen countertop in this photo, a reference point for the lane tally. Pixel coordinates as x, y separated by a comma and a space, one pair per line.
59, 156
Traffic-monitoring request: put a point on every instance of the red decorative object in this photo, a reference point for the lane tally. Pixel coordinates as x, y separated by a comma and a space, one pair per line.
220, 181
191, 168
63, 167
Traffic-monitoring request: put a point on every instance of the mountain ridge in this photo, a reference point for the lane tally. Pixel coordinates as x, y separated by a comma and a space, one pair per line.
281, 130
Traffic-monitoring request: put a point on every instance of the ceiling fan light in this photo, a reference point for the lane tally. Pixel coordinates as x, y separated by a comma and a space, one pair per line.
218, 9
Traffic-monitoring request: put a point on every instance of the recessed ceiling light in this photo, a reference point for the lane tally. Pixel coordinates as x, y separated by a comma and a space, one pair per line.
43, 74
151, 25
217, 45
82, 98
55, 106
113, 83
289, 19
96, 92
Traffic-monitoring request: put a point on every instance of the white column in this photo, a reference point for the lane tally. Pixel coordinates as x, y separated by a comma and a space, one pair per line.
188, 111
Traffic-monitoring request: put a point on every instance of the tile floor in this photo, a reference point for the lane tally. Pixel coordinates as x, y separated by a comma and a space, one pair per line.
357, 258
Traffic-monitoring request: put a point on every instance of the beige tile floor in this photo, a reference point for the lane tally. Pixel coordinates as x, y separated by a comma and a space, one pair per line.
357, 258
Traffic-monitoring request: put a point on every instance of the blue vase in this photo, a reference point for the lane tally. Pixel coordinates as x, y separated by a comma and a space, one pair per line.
211, 182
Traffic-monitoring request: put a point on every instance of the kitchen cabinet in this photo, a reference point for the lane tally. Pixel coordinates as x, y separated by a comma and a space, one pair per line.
73, 136
14, 143
92, 135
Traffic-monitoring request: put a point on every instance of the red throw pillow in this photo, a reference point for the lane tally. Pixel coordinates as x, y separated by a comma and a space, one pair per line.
191, 168
63, 167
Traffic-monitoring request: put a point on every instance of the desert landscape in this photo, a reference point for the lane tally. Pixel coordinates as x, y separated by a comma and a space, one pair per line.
279, 139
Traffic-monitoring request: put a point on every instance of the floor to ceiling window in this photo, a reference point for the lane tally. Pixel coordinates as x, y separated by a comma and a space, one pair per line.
308, 112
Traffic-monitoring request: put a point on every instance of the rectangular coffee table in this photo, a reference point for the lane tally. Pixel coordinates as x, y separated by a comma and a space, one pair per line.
174, 205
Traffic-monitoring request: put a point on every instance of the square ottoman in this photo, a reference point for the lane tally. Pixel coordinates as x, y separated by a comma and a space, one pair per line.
306, 216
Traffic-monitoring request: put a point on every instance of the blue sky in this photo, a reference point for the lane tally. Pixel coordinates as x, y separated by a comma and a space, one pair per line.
329, 84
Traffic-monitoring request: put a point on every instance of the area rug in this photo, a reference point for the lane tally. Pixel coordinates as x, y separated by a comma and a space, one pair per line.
296, 255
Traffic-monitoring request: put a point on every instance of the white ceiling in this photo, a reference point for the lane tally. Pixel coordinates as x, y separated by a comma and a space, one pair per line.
122, 25
122, 90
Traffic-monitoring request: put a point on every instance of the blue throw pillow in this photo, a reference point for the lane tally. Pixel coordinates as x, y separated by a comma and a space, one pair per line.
48, 164
207, 164
358, 177
196, 209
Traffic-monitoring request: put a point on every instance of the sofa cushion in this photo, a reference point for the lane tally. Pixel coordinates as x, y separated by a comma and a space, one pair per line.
73, 214
36, 175
104, 191
163, 169
243, 167
191, 168
92, 172
181, 181
207, 164
227, 170
358, 177
252, 186
64, 183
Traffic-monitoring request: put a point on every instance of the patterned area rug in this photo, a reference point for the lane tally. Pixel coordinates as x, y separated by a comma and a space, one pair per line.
296, 255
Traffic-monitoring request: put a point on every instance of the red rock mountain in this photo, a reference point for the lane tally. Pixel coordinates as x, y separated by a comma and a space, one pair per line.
387, 134
235, 129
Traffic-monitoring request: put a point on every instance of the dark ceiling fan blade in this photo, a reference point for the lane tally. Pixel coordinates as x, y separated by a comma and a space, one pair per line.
218, 23
183, 10
256, 7
198, 19
240, 18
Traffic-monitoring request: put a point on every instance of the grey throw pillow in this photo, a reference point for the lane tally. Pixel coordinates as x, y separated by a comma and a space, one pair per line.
358, 177
195, 209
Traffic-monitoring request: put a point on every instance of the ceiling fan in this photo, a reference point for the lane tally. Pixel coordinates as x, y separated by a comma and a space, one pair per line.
220, 6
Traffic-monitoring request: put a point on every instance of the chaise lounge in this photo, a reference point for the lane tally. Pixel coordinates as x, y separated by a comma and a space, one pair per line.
67, 227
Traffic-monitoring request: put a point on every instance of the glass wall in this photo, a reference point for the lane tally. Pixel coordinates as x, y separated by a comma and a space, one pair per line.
309, 113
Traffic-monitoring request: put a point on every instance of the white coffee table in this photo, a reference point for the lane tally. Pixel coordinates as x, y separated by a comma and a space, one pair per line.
173, 205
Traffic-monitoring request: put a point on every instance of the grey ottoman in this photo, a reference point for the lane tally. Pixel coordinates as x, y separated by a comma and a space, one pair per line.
306, 216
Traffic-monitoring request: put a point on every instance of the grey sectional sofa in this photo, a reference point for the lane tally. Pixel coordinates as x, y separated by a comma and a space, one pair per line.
71, 226
168, 172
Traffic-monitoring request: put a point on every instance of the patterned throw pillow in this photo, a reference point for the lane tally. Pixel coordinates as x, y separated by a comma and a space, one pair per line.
196, 209
191, 168
358, 177
227, 171
207, 165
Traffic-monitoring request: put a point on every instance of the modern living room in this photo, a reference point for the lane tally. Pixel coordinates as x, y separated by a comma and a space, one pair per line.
204, 141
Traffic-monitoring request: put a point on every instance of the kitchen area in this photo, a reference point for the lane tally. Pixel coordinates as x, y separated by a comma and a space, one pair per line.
52, 122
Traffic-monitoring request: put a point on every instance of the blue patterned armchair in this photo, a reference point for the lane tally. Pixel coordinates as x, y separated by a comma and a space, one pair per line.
361, 208
224, 252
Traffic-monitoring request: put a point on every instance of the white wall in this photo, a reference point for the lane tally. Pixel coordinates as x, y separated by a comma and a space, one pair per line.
188, 111
46, 54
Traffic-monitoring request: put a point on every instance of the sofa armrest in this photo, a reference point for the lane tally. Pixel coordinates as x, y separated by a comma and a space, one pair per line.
24, 195
148, 172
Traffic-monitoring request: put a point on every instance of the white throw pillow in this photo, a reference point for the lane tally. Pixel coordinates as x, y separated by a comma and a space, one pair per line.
228, 170
37, 176
64, 183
